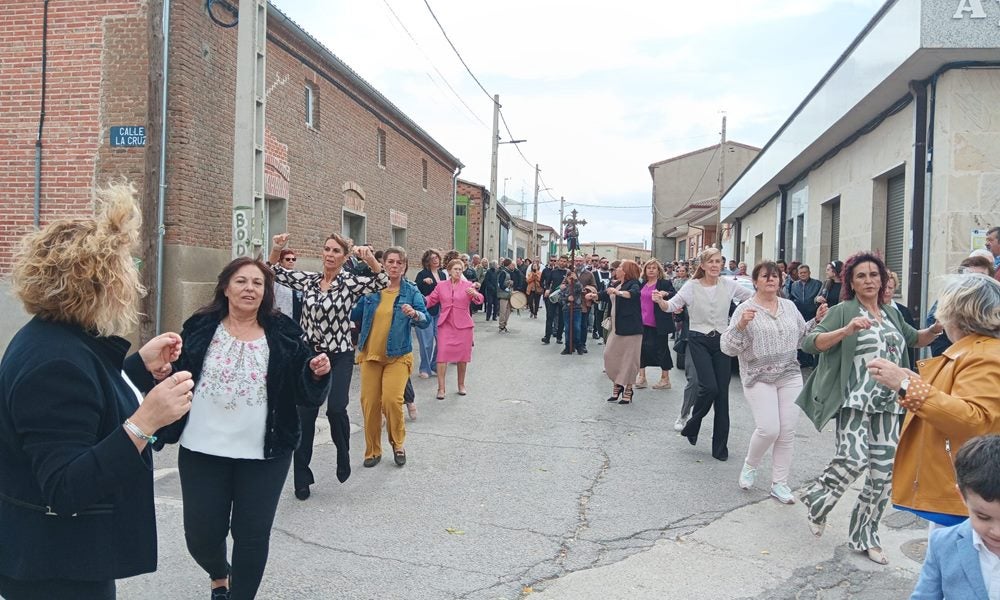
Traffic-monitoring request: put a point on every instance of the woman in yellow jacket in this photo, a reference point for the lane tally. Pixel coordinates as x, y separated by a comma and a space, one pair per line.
954, 398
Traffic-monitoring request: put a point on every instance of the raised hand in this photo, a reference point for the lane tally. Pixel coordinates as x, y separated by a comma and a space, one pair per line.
857, 324
408, 311
280, 240
821, 311
168, 401
159, 352
745, 318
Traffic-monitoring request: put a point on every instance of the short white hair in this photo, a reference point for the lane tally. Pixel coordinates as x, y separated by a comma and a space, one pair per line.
972, 303
982, 252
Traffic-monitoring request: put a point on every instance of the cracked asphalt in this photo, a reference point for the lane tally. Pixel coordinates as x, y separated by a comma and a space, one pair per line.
534, 486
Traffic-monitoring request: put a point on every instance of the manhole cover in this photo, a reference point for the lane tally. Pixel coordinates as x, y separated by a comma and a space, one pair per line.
904, 520
915, 550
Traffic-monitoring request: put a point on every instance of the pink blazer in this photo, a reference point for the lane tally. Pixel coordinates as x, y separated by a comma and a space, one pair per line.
454, 302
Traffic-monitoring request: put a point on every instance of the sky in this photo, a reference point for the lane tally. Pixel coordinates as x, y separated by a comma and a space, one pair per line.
599, 93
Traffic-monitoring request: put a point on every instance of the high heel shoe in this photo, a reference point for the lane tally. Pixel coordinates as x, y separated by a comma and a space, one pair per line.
626, 396
616, 390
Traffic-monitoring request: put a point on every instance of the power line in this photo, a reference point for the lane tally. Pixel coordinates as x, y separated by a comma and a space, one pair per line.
428, 58
696, 186
457, 53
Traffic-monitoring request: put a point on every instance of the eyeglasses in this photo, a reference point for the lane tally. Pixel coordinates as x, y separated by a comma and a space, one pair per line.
289, 259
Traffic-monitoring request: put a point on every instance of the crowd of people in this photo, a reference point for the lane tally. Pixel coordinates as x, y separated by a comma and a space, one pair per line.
240, 388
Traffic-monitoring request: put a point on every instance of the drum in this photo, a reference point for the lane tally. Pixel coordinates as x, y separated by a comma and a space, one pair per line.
518, 300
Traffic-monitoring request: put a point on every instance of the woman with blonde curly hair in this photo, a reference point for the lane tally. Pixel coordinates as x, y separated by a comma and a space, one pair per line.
76, 476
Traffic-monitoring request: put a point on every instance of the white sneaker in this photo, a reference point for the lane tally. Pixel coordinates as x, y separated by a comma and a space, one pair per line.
782, 493
680, 423
747, 476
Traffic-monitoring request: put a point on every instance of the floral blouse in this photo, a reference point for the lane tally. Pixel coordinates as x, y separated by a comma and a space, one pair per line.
229, 410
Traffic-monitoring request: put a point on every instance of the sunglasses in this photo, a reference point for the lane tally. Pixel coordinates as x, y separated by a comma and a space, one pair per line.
289, 259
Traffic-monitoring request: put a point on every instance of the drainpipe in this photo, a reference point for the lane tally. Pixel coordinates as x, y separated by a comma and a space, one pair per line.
41, 118
737, 238
454, 206
917, 280
782, 225
161, 195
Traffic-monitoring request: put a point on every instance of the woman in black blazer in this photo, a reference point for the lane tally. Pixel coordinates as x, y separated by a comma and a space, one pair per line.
657, 325
621, 353
76, 472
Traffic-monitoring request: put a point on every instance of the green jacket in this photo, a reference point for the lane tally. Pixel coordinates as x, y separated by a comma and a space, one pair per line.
824, 392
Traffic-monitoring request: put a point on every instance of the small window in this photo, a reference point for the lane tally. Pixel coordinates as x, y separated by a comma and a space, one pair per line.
354, 227
423, 163
461, 210
381, 148
310, 106
399, 237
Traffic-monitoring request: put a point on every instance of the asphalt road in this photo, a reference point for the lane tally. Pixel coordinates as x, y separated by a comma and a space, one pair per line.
534, 486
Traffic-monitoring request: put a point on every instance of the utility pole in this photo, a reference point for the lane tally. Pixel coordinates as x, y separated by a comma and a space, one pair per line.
248, 142
562, 202
535, 250
722, 182
491, 222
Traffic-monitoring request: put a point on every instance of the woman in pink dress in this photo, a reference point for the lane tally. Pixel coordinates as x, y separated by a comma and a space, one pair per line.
455, 324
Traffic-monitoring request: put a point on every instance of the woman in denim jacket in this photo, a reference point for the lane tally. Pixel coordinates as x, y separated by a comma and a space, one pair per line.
385, 353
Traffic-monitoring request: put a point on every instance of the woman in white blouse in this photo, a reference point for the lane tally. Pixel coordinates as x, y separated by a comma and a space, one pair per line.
708, 298
765, 332
251, 368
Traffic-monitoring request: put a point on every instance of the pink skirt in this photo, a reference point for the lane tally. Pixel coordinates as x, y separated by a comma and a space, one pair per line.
454, 345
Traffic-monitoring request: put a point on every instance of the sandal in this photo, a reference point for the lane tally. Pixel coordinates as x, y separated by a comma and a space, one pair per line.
616, 390
877, 556
440, 395
626, 395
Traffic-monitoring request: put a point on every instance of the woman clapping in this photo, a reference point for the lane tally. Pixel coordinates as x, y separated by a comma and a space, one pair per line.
386, 355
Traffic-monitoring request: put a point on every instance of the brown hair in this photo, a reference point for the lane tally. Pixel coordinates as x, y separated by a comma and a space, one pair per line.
81, 270
285, 252
847, 290
344, 242
660, 274
630, 269
425, 260
766, 268
977, 262
219, 306
703, 257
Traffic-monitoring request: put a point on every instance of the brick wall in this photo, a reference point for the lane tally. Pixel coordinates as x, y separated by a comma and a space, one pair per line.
475, 194
86, 40
340, 150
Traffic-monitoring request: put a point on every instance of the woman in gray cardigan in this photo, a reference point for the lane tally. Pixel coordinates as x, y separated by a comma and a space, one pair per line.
854, 333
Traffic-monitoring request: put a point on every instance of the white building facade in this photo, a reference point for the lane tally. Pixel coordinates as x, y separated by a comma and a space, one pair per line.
896, 150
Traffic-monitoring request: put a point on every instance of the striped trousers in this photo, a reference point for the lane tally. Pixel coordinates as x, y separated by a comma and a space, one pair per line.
866, 444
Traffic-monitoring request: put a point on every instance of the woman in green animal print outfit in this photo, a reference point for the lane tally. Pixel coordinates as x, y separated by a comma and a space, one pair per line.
854, 333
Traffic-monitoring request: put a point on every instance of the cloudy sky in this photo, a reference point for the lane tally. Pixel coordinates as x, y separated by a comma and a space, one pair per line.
600, 90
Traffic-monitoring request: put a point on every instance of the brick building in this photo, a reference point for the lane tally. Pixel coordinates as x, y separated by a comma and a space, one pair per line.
339, 156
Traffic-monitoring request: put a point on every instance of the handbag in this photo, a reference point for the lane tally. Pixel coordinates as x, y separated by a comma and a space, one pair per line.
503, 294
606, 323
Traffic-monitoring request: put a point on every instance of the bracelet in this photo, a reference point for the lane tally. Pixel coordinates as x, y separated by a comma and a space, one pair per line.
134, 430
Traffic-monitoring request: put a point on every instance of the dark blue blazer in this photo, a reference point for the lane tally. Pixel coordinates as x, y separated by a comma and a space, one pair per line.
77, 498
951, 568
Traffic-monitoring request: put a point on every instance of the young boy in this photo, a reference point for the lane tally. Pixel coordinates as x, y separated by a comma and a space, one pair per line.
963, 562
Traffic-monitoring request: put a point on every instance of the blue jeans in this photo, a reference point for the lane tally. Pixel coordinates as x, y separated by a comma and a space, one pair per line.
427, 340
577, 328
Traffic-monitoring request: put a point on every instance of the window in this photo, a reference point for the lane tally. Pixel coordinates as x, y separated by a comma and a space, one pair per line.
312, 120
895, 231
275, 218
423, 162
835, 231
381, 148
800, 231
461, 210
354, 227
399, 237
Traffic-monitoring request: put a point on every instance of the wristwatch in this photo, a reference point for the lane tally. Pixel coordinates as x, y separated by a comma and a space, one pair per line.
903, 386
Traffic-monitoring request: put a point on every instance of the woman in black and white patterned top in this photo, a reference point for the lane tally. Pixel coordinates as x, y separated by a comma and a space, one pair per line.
328, 298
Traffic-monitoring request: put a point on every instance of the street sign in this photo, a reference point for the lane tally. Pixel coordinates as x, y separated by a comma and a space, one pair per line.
128, 136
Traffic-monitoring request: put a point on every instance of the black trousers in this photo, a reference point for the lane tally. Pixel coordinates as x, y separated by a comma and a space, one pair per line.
218, 491
534, 299
598, 318
714, 372
56, 589
491, 304
341, 370
655, 349
553, 319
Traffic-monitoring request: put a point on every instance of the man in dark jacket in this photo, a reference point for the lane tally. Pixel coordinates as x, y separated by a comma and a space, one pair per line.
553, 310
489, 291
804, 293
